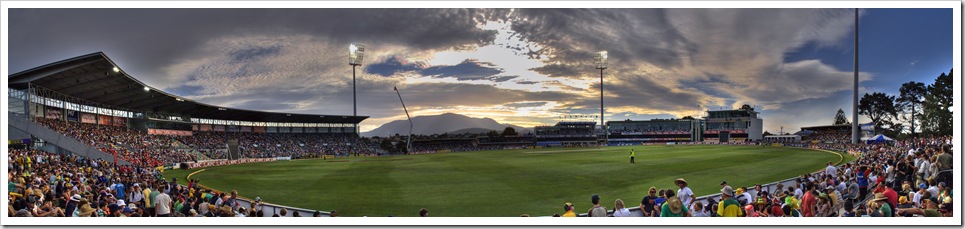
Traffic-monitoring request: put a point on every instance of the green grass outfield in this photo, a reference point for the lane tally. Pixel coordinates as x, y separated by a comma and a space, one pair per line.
505, 182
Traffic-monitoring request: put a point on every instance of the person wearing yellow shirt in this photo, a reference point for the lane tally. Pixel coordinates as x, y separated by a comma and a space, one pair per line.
568, 207
631, 157
728, 207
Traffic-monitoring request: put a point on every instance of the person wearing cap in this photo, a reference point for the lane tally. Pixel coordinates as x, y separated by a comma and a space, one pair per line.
728, 207
684, 193
568, 208
931, 210
596, 210
723, 184
649, 203
834, 196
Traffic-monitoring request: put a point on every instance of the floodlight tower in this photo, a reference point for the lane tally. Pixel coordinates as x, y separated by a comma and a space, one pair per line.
601, 57
355, 54
408, 142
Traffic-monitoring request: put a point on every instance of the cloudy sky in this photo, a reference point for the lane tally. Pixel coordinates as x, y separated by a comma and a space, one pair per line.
519, 66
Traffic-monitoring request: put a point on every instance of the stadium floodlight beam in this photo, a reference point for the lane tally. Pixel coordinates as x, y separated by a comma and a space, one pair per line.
355, 54
408, 141
601, 58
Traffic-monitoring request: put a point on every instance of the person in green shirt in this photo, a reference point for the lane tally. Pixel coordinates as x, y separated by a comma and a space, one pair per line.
728, 207
674, 208
885, 208
931, 209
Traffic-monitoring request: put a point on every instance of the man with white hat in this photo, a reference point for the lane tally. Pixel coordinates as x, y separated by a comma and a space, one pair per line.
72, 204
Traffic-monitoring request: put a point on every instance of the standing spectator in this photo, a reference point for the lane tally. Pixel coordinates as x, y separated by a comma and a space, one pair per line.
685, 194
649, 203
831, 170
163, 203
596, 210
891, 195
619, 210
728, 207
945, 163
568, 208
862, 178
809, 201
149, 203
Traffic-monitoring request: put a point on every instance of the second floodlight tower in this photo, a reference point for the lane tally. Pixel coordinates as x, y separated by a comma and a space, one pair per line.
355, 54
601, 57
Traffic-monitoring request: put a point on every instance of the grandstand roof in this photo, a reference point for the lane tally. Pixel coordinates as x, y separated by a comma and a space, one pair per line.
93, 78
828, 127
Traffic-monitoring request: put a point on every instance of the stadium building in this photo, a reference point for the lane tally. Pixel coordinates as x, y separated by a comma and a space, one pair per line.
733, 125
92, 90
630, 132
567, 134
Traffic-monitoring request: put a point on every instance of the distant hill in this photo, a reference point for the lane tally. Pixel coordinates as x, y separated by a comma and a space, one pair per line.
444, 123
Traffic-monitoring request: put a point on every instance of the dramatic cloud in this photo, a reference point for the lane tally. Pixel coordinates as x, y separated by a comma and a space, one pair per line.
523, 66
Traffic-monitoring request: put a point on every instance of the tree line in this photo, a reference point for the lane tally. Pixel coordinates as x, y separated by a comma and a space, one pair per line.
918, 109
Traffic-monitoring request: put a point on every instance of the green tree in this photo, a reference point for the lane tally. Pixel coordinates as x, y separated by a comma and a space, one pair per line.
387, 145
839, 118
688, 117
880, 108
936, 110
492, 134
509, 131
909, 102
767, 133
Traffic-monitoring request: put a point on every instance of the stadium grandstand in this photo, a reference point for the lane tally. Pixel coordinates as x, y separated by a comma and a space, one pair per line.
733, 125
826, 134
567, 134
108, 114
631, 132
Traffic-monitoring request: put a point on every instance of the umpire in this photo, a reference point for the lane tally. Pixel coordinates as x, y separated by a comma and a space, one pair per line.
631, 157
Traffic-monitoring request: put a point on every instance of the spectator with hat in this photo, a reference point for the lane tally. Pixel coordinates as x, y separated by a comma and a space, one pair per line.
568, 210
685, 194
882, 205
674, 207
728, 207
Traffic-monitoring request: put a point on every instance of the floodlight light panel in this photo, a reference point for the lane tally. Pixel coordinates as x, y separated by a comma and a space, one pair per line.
601, 59
355, 52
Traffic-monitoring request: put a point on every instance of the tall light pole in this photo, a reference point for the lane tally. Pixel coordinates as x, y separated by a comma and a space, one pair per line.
854, 106
355, 54
601, 64
408, 141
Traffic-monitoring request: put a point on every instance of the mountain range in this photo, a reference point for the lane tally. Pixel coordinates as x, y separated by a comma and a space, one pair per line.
444, 123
